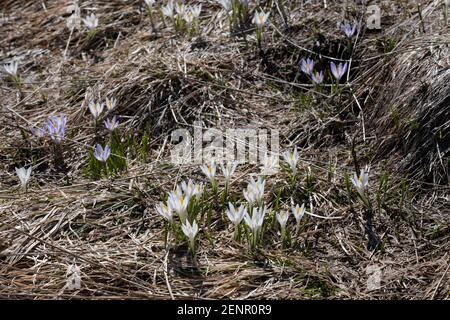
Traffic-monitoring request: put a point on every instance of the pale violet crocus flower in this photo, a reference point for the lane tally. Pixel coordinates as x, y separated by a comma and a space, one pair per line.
167, 10
165, 211
56, 127
111, 124
228, 170
110, 103
11, 68
96, 108
24, 175
91, 21
361, 182
255, 221
209, 171
282, 218
270, 165
236, 215
298, 213
291, 159
307, 66
38, 132
260, 18
102, 154
179, 203
349, 29
190, 231
317, 77
338, 70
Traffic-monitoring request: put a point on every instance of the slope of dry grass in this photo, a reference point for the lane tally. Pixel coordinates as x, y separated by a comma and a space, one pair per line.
393, 114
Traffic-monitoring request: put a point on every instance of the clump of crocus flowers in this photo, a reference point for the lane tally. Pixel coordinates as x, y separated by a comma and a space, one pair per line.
183, 202
250, 216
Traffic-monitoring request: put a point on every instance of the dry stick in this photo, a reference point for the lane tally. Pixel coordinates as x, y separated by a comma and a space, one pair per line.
440, 280
322, 217
165, 275
56, 247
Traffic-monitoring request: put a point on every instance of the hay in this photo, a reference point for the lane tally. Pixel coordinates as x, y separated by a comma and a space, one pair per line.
109, 228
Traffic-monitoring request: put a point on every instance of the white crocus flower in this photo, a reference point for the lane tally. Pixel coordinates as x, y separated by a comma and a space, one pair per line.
362, 181
250, 196
179, 203
165, 211
298, 212
24, 175
254, 193
282, 218
196, 10
149, 3
260, 18
226, 4
236, 214
180, 9
91, 21
255, 222
188, 188
209, 171
228, 170
190, 231
188, 17
191, 189
11, 68
110, 103
292, 159
270, 165
167, 10
198, 190
96, 108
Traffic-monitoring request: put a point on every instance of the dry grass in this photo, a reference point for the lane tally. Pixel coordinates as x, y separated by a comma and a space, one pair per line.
393, 115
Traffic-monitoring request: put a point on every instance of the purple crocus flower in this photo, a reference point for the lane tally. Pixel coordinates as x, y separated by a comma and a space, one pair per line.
101, 154
349, 29
37, 132
307, 65
317, 77
339, 70
111, 124
56, 127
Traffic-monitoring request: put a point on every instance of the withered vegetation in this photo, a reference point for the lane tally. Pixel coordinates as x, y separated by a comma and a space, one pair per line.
393, 114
